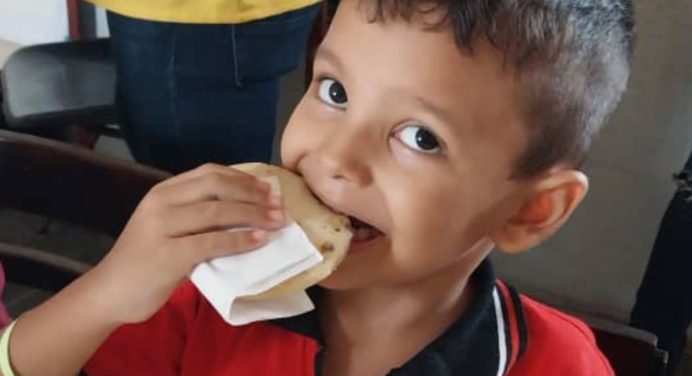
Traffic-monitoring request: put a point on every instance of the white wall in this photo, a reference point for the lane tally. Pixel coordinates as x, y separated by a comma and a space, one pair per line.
101, 23
33, 21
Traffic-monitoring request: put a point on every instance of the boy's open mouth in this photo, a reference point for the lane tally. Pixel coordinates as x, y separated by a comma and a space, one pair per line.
362, 231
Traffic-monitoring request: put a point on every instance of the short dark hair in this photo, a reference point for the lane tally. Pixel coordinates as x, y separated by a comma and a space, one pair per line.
572, 58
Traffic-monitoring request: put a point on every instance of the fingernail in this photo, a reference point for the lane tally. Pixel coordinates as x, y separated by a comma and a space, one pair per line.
259, 235
264, 186
276, 215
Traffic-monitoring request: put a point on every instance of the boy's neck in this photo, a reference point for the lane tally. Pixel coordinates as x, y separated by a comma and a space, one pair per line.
370, 331
427, 306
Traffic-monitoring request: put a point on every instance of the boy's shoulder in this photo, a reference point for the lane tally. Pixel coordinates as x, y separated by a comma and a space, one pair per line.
555, 342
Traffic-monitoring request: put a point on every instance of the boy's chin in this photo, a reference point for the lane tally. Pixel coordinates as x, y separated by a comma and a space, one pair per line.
345, 278
359, 268
330, 284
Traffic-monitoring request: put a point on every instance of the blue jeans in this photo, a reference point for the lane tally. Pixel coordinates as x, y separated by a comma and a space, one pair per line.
188, 94
664, 300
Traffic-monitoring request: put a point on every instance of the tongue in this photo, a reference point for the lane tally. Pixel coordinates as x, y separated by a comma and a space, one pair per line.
364, 233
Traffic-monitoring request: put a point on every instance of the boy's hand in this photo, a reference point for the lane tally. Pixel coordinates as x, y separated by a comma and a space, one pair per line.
180, 223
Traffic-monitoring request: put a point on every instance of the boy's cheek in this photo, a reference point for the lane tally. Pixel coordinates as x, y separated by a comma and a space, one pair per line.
305, 132
293, 140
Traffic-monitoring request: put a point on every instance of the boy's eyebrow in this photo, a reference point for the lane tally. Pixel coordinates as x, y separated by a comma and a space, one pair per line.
327, 54
433, 109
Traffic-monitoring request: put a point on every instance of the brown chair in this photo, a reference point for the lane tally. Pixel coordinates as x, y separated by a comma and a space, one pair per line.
68, 183
39, 269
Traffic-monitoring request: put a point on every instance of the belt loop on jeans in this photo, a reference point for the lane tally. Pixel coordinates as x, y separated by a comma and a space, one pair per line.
684, 182
235, 56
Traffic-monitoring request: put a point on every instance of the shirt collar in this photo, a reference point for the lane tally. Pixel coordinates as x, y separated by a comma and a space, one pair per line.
480, 342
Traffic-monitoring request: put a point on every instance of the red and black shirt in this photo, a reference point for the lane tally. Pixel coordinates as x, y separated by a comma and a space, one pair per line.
502, 333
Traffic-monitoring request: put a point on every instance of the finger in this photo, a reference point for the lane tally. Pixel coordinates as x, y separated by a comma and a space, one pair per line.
218, 186
201, 170
208, 168
209, 216
202, 247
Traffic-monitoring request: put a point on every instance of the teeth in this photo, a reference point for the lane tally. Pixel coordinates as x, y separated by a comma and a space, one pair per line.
364, 234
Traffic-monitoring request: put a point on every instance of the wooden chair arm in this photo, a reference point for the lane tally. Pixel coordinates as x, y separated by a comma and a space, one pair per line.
39, 269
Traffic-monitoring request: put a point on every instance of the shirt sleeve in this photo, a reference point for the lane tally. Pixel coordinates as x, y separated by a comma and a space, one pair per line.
153, 347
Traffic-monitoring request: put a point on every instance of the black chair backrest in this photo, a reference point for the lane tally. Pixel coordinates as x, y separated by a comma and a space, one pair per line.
60, 84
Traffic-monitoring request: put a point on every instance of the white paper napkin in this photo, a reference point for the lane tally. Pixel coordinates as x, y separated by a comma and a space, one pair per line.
226, 280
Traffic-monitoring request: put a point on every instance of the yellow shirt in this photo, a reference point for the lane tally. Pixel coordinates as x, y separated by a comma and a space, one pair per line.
202, 11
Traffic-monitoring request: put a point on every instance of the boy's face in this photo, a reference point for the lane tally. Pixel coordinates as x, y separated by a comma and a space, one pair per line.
404, 132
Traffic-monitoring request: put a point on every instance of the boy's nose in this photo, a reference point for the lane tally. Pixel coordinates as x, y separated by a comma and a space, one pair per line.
343, 159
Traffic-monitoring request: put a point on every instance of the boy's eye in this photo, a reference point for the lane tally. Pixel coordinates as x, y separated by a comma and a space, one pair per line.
419, 138
333, 93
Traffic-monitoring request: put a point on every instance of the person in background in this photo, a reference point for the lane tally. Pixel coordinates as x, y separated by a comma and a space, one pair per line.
198, 81
664, 300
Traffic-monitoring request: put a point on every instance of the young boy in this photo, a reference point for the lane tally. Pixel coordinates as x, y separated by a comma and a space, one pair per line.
452, 128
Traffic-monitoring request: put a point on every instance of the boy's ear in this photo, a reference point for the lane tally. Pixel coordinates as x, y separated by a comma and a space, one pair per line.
551, 201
